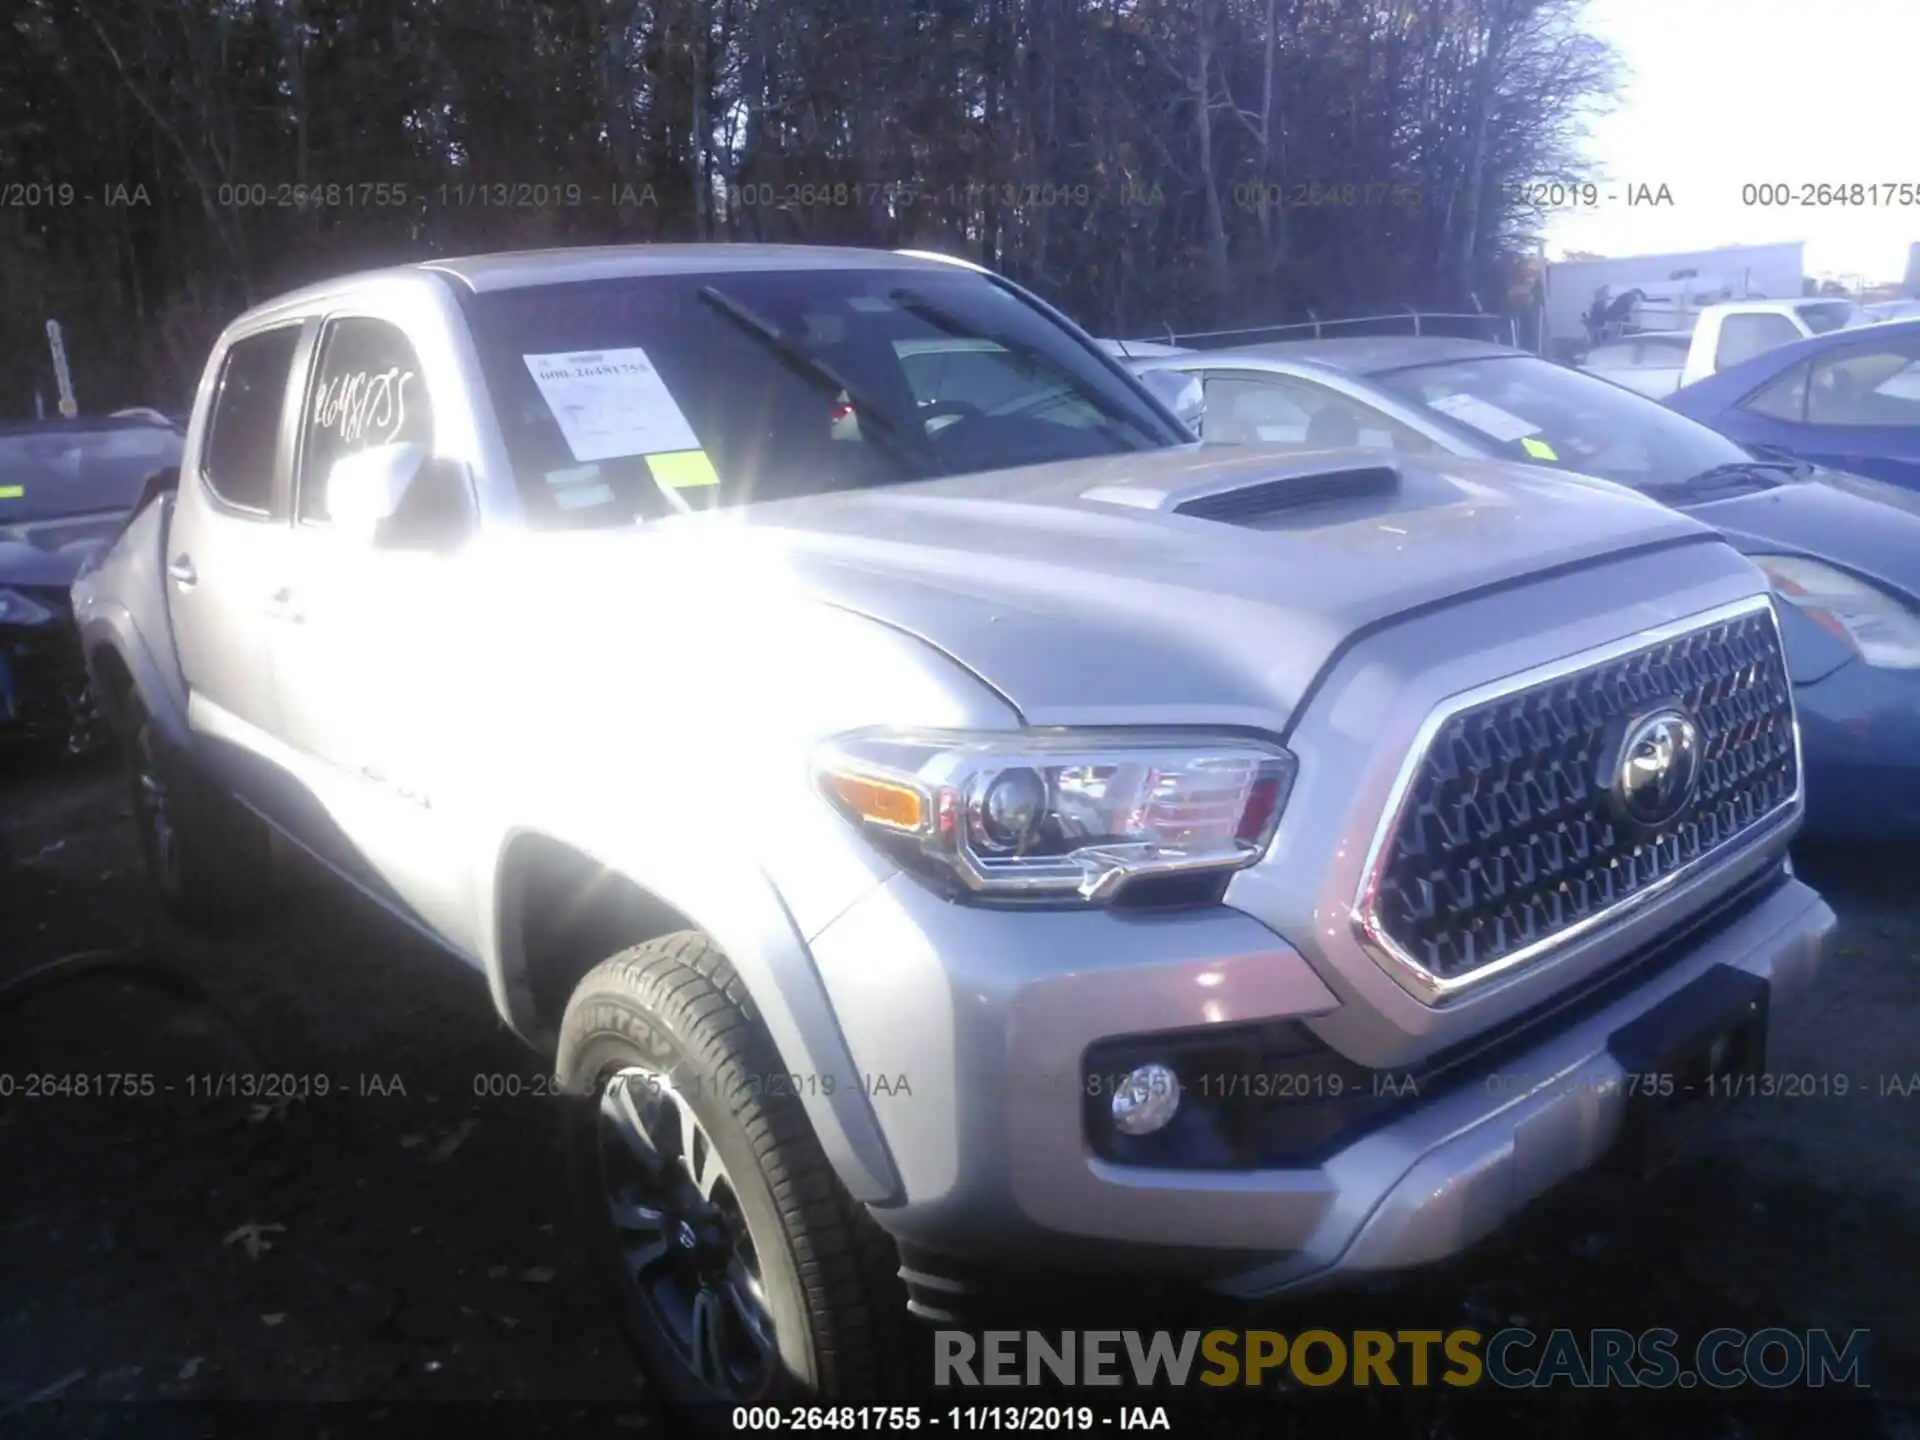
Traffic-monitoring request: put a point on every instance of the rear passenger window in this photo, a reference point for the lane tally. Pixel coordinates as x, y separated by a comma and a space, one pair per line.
1784, 397
1248, 412
367, 391
243, 438
1245, 409
1866, 385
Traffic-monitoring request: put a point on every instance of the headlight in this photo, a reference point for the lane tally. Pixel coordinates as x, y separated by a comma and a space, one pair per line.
18, 609
1060, 814
1873, 624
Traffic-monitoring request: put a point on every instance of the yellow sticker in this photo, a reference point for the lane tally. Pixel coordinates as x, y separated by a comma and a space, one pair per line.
1539, 449
683, 469
13, 492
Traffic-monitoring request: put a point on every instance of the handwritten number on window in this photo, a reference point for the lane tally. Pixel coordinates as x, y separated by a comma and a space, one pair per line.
364, 408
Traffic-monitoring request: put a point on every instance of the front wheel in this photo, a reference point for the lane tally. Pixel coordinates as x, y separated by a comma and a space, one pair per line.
743, 1271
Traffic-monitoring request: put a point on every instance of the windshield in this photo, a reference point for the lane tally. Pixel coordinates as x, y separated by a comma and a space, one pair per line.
1524, 408
52, 471
1828, 315
628, 399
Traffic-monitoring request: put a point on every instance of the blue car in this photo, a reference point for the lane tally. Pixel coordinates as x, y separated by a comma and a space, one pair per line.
1849, 399
1843, 552
66, 487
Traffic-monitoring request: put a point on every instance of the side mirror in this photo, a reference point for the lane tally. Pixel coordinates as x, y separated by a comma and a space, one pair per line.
365, 489
1181, 393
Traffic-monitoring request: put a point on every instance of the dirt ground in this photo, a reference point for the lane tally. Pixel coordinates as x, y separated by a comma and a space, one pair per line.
403, 1241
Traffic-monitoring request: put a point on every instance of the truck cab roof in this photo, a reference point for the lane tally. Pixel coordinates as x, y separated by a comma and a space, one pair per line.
515, 269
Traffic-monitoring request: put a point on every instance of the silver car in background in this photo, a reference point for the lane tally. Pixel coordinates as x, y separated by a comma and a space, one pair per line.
1649, 365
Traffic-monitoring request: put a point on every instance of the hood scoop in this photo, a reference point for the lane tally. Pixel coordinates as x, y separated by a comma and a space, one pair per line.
1250, 504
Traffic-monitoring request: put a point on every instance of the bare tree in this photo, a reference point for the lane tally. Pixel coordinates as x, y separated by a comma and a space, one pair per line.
1099, 149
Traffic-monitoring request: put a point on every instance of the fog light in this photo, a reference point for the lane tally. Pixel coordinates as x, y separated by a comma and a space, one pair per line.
1146, 1100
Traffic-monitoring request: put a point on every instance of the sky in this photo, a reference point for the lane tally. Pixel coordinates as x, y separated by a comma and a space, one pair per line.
1719, 94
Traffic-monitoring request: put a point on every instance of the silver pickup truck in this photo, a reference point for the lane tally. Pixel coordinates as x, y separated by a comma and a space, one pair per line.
945, 827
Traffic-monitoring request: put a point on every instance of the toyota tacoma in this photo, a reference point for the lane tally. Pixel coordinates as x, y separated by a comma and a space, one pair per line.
944, 825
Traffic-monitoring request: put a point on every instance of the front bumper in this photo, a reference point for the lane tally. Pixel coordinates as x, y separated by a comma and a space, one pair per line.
969, 1026
1860, 737
44, 694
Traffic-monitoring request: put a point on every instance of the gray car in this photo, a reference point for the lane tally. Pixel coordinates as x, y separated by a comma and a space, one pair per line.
948, 842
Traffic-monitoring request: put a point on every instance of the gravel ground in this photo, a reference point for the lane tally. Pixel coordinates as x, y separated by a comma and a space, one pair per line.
404, 1240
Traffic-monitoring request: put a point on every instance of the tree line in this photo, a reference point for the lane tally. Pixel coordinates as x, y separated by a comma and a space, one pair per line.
1143, 163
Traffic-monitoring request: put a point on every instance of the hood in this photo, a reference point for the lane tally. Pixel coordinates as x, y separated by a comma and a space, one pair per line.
24, 564
1083, 594
1861, 525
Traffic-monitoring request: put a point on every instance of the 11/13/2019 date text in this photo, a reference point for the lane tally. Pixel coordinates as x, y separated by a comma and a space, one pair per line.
962, 1419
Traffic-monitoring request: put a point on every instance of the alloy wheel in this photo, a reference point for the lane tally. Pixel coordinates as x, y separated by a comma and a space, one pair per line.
683, 1241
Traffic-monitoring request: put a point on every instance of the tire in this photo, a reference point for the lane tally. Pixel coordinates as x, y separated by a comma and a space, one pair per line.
669, 1027
210, 858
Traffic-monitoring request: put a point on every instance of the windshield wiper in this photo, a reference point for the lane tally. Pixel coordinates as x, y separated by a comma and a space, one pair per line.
1734, 475
1781, 456
890, 433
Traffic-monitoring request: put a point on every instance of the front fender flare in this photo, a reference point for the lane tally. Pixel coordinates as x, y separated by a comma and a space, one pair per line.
744, 913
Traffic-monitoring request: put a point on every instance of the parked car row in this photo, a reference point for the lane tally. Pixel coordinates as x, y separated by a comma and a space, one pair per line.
1842, 550
1723, 335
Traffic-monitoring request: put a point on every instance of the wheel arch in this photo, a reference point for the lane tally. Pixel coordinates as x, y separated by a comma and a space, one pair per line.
559, 907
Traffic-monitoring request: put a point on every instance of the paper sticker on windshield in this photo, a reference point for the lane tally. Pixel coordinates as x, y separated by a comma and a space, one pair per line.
583, 497
1539, 449
1486, 418
683, 470
578, 487
610, 403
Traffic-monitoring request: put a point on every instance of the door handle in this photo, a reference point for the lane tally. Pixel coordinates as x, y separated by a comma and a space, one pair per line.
182, 573
280, 606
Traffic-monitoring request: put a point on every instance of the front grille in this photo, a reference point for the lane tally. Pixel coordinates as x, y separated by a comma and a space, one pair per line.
1504, 838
